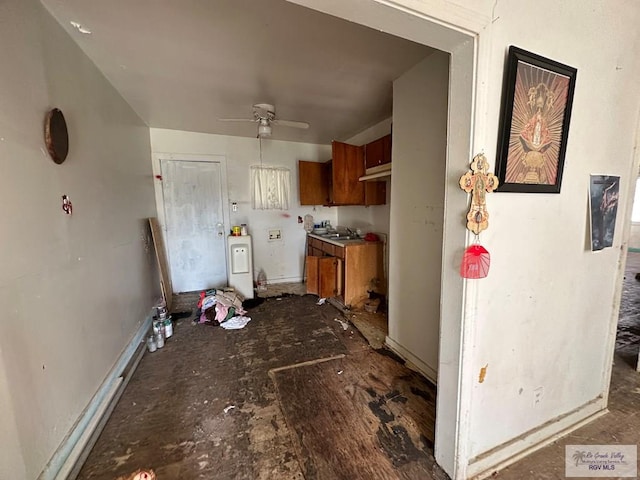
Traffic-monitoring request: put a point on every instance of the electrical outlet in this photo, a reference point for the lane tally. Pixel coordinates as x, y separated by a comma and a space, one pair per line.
538, 393
234, 207
275, 234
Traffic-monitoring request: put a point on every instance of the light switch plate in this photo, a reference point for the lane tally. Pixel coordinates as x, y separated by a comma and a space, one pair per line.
275, 234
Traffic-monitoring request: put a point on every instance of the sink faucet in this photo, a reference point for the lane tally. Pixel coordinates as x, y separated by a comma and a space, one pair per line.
351, 232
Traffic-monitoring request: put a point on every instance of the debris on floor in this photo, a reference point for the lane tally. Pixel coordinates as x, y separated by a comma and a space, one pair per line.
345, 325
235, 323
140, 475
172, 431
222, 307
372, 305
162, 328
321, 301
230, 407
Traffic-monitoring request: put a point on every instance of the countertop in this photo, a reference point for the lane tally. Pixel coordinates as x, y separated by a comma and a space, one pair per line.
337, 241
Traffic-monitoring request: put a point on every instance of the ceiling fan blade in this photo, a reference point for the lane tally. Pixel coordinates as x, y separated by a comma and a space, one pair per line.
237, 120
290, 123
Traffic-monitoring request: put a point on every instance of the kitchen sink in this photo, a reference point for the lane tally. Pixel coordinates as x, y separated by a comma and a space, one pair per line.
338, 236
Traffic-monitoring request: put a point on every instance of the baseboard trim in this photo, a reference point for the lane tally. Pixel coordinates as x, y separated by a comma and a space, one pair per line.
412, 360
275, 281
74, 446
498, 458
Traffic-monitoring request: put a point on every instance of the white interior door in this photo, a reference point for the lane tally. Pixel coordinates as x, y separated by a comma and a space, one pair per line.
194, 222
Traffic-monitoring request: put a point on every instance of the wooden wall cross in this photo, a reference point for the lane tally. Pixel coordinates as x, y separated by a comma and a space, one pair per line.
478, 182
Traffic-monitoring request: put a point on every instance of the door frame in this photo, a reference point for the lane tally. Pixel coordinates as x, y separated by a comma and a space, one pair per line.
157, 158
634, 175
456, 30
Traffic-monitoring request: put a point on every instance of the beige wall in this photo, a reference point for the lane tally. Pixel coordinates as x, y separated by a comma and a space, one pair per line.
417, 210
73, 289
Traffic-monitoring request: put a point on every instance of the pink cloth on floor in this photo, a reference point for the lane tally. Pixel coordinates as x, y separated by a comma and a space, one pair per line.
221, 312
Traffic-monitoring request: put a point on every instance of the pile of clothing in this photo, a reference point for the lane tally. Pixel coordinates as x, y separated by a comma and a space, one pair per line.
222, 307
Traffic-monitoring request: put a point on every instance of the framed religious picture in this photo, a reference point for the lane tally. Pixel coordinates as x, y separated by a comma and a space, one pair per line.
534, 125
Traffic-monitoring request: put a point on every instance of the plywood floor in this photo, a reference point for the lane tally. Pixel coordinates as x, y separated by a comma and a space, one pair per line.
172, 416
206, 406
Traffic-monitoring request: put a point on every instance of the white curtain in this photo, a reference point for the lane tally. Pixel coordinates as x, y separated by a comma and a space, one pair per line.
270, 188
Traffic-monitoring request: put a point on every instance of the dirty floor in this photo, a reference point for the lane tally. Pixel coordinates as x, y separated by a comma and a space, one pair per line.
293, 395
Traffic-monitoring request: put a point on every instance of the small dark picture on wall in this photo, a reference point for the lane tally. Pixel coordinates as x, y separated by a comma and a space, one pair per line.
603, 203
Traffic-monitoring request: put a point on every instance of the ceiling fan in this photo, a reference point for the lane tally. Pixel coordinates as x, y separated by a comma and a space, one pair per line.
264, 115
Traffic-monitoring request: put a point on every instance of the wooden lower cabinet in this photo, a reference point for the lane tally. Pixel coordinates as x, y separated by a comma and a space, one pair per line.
346, 273
323, 276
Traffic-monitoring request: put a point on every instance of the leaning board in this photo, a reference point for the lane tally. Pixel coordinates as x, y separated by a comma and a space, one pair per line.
161, 257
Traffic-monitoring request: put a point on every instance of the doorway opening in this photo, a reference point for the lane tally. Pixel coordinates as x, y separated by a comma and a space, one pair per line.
405, 247
628, 331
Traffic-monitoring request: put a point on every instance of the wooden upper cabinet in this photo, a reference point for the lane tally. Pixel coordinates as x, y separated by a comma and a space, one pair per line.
378, 152
314, 189
386, 149
336, 182
347, 168
375, 193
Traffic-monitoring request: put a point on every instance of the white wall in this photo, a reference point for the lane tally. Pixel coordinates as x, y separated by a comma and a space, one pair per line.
281, 260
73, 289
546, 315
417, 210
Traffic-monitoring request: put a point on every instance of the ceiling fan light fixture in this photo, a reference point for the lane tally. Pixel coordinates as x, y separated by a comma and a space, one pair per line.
265, 114
264, 130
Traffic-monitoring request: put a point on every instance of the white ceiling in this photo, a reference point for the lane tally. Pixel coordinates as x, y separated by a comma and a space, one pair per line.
184, 64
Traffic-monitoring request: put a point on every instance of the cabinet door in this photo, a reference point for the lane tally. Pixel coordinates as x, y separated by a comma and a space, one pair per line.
327, 179
322, 275
363, 271
373, 153
313, 186
386, 149
378, 152
313, 279
375, 193
328, 275
347, 168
